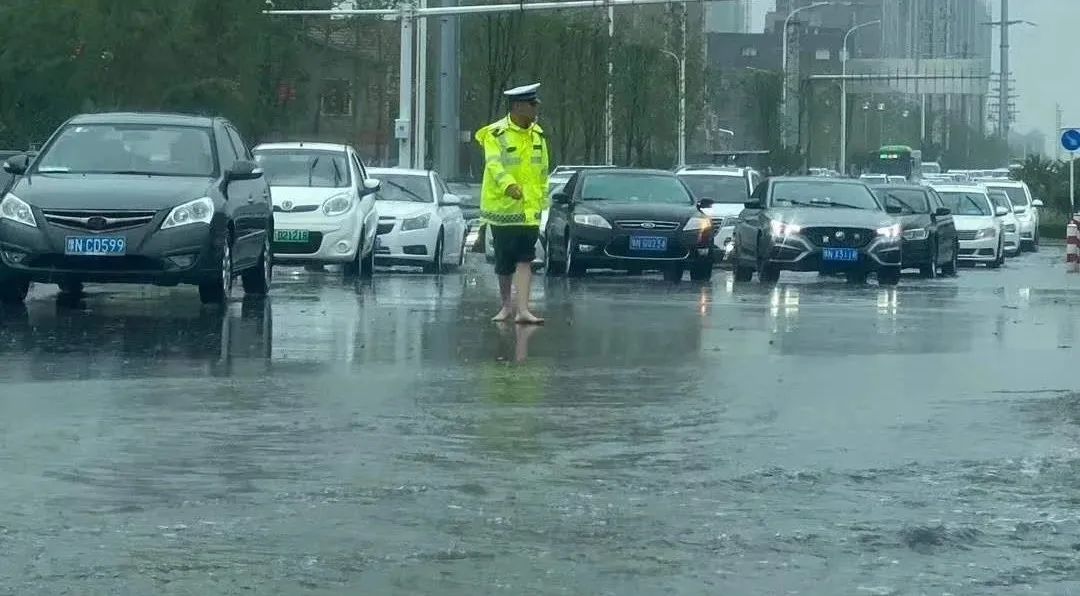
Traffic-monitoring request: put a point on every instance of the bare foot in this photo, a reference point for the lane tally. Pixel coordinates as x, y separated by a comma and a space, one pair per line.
527, 318
503, 315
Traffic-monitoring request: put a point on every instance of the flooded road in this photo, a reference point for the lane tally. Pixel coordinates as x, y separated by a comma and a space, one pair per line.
384, 438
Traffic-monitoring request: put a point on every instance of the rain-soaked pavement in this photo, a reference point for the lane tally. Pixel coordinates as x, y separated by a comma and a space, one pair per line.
384, 438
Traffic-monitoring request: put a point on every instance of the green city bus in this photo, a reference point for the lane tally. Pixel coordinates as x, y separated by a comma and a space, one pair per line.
897, 160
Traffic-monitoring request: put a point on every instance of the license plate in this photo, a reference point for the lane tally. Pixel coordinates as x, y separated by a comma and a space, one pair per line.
847, 255
95, 246
291, 236
648, 243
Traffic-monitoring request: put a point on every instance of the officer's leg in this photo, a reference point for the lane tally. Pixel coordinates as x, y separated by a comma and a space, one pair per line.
504, 269
525, 253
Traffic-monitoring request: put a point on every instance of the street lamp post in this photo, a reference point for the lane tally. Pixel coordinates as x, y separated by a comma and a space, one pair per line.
783, 65
843, 94
682, 105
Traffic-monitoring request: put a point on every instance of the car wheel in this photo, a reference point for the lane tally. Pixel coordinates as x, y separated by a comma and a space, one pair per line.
573, 268
367, 263
929, 270
461, 253
218, 290
742, 273
14, 291
953, 266
674, 273
551, 266
436, 265
1035, 243
701, 271
888, 277
996, 263
256, 281
71, 288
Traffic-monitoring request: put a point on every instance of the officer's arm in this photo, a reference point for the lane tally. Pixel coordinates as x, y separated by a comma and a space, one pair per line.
494, 164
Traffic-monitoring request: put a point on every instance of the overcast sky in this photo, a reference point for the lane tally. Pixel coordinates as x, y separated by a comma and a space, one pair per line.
1044, 59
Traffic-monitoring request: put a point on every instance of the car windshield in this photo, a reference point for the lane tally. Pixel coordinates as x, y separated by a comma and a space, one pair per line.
966, 203
909, 200
720, 189
635, 188
309, 168
404, 187
817, 193
1016, 194
149, 149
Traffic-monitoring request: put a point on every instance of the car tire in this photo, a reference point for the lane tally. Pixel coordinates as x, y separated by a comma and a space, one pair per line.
436, 265
1036, 242
70, 288
889, 276
461, 253
674, 273
13, 291
256, 280
952, 268
701, 271
217, 291
367, 264
573, 268
742, 273
552, 267
930, 270
1000, 260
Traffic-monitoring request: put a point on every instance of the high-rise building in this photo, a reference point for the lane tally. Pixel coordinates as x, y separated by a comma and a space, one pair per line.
732, 16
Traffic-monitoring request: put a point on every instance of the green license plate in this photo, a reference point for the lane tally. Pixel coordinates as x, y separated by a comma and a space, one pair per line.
291, 236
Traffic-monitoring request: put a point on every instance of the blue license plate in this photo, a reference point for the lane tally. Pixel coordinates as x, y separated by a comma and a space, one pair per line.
648, 243
845, 255
95, 246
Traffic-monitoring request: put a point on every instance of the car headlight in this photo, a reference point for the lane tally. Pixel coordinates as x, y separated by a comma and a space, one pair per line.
337, 205
889, 232
416, 223
1010, 228
780, 228
15, 209
193, 212
986, 233
592, 220
698, 224
916, 234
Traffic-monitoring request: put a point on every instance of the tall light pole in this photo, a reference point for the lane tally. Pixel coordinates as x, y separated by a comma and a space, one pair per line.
783, 67
843, 95
681, 62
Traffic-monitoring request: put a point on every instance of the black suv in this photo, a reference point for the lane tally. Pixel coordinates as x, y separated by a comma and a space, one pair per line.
831, 225
137, 198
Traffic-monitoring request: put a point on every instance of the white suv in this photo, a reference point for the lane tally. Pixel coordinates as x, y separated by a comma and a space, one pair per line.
1025, 208
978, 225
324, 211
729, 189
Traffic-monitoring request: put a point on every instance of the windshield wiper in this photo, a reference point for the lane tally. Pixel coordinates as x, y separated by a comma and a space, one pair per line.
311, 170
841, 205
135, 173
419, 198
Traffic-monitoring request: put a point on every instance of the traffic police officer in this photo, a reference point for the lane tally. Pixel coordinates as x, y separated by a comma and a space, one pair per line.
513, 196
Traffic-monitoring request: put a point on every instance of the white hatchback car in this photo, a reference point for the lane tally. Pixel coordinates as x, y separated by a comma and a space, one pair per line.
978, 226
420, 220
1025, 207
729, 189
324, 208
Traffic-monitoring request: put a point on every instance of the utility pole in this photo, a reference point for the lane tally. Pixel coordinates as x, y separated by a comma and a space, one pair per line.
609, 100
448, 130
1005, 75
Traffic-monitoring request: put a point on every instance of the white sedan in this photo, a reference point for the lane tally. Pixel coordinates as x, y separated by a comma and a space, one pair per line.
420, 220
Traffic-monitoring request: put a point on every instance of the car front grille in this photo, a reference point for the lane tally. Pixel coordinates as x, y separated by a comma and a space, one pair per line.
717, 222
300, 248
839, 237
98, 221
966, 234
384, 228
638, 224
297, 209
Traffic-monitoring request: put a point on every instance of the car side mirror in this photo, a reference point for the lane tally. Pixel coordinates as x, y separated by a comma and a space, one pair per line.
243, 170
894, 209
450, 200
942, 211
753, 205
561, 198
1019, 210
17, 164
705, 203
369, 186
1000, 211
1036, 203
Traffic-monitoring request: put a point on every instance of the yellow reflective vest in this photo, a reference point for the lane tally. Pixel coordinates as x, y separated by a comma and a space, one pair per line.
513, 155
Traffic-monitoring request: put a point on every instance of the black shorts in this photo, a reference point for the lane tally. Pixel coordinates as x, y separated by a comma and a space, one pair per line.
513, 245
